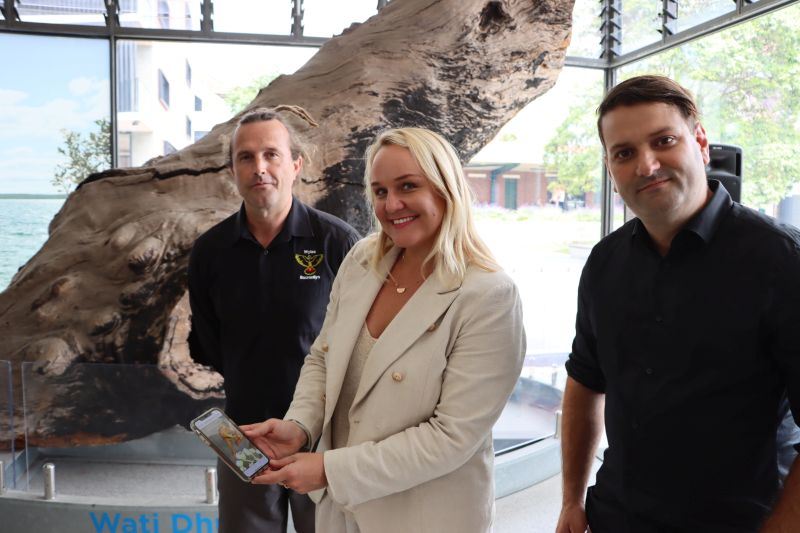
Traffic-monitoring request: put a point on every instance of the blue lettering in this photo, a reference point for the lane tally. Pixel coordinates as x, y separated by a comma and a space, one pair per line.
104, 522
187, 520
143, 523
155, 522
200, 520
128, 525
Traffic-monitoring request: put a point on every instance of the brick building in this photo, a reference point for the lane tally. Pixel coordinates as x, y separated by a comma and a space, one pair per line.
509, 185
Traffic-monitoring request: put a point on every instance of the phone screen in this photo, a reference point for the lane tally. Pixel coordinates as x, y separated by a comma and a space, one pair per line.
228, 439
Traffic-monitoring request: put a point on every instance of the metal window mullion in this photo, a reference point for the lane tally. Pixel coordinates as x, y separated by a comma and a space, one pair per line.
606, 190
297, 19
112, 24
610, 29
207, 18
10, 13
669, 18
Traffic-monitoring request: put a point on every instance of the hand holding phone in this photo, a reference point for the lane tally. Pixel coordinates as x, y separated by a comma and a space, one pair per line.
230, 444
278, 438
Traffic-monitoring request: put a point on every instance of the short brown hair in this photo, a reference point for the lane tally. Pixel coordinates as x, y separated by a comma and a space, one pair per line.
283, 114
648, 89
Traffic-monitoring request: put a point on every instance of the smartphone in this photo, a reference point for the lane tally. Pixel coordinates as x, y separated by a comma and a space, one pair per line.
229, 443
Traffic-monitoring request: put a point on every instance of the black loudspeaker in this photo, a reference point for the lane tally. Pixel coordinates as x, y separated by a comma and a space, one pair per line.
726, 167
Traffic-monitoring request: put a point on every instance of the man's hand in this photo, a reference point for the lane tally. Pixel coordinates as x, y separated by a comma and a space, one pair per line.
302, 472
785, 515
572, 519
276, 438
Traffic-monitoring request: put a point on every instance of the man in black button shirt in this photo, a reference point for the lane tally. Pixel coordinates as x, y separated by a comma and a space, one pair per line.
687, 337
259, 283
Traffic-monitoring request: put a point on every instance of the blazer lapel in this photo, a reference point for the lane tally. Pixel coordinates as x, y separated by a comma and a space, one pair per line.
359, 290
418, 314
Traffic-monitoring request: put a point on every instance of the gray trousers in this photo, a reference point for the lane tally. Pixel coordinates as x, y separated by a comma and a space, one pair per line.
260, 508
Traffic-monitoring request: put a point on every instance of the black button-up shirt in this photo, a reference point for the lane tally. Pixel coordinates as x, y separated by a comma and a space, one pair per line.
256, 310
693, 351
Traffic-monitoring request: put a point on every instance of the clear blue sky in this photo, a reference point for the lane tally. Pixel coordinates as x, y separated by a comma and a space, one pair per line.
47, 84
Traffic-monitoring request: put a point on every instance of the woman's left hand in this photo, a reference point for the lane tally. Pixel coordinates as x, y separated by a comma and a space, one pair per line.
301, 472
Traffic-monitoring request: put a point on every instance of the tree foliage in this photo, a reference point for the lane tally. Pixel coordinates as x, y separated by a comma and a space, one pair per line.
574, 150
240, 97
86, 154
747, 83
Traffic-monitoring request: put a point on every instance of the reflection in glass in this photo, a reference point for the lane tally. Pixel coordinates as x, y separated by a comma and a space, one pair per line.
269, 17
641, 20
746, 83
323, 18
87, 12
7, 436
161, 106
160, 14
99, 423
529, 414
694, 12
585, 29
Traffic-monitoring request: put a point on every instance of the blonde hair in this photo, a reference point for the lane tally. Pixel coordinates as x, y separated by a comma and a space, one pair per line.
457, 244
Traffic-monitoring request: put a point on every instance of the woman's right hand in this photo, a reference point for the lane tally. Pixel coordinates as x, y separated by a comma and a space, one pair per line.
275, 437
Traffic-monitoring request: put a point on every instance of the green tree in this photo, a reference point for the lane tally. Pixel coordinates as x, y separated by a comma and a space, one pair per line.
747, 83
573, 152
86, 154
240, 97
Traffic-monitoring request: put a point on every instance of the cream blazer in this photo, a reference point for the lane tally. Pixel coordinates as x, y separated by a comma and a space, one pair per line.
419, 456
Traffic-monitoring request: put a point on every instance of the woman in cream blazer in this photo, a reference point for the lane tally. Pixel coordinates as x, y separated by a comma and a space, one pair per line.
421, 346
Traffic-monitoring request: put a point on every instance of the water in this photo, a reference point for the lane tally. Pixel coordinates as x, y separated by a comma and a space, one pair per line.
23, 230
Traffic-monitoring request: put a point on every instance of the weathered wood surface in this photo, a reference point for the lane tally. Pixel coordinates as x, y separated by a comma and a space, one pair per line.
109, 285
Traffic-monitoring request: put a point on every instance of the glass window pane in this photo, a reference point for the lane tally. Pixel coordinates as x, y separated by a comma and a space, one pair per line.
73, 414
7, 454
162, 14
42, 112
585, 29
157, 103
746, 80
88, 12
537, 187
270, 17
694, 12
323, 18
641, 20
618, 211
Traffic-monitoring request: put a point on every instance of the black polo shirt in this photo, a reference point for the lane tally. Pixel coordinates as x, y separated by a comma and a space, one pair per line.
693, 352
256, 310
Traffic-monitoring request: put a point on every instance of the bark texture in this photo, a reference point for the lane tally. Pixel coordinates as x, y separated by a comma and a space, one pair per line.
109, 285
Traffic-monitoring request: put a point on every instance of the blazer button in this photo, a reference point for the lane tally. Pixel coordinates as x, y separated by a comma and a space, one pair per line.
324, 346
397, 376
324, 397
432, 327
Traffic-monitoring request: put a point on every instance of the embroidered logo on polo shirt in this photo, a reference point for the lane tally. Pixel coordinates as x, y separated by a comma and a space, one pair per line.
309, 260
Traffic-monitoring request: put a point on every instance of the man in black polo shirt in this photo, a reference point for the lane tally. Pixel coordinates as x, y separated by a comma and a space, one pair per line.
686, 334
259, 283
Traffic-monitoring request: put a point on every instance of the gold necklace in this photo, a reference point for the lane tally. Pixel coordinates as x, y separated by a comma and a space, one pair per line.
397, 287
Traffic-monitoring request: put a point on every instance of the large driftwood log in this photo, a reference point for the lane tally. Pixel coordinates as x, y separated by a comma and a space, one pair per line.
109, 285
